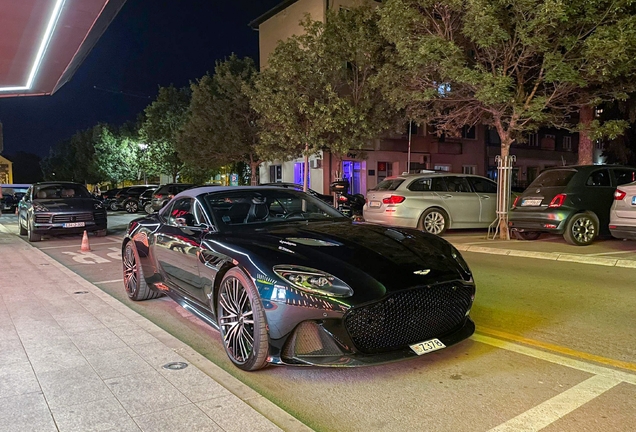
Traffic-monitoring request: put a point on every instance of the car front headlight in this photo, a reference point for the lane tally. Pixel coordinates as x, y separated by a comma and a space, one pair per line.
39, 207
313, 281
460, 260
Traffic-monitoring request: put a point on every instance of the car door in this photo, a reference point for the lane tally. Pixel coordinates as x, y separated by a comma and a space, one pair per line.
462, 203
177, 247
486, 190
598, 196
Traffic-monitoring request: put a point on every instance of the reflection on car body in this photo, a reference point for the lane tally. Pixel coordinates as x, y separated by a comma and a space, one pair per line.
287, 279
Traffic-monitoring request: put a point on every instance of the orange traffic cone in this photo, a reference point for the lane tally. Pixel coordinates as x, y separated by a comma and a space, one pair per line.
85, 246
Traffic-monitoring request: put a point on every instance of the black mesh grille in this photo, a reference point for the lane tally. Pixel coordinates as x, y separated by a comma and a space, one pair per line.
80, 217
42, 218
408, 317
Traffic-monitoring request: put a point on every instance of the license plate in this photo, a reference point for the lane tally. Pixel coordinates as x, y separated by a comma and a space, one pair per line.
375, 204
531, 202
427, 346
74, 224
634, 200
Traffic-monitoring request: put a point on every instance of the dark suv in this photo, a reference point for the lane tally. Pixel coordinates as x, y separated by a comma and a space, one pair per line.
128, 198
165, 193
573, 201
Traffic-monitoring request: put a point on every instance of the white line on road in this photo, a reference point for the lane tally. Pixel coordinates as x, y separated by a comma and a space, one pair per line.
562, 404
74, 246
557, 359
612, 253
107, 282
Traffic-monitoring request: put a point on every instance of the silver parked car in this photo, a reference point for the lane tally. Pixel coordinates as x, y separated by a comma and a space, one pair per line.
623, 212
433, 202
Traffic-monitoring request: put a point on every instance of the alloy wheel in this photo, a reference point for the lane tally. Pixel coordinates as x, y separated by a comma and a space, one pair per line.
583, 230
131, 275
434, 222
236, 320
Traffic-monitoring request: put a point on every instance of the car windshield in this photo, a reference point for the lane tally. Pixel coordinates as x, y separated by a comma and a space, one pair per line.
249, 207
553, 178
388, 184
53, 191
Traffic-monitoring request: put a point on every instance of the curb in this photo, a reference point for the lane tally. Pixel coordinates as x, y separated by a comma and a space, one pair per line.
553, 256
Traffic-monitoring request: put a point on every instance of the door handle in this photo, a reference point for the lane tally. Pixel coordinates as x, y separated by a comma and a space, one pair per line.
484, 196
446, 196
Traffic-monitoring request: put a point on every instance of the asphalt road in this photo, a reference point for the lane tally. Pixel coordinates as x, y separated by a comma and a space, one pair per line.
555, 349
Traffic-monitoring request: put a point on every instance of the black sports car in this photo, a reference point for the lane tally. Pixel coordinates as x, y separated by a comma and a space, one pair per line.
288, 280
60, 208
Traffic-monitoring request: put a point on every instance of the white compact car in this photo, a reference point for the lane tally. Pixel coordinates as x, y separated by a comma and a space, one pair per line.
623, 212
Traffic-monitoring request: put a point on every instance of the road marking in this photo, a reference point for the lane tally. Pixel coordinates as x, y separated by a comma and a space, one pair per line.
87, 258
564, 403
556, 358
73, 246
611, 253
106, 282
559, 349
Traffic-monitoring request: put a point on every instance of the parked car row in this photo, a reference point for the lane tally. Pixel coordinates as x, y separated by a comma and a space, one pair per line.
11, 195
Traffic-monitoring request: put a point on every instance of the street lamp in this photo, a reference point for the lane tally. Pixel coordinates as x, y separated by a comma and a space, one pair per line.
143, 147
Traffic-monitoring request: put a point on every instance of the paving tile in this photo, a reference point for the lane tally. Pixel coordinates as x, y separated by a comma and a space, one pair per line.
11, 349
117, 362
96, 340
195, 384
234, 415
183, 418
73, 386
27, 412
146, 393
111, 318
54, 357
157, 354
132, 334
106, 415
79, 323
31, 336
17, 379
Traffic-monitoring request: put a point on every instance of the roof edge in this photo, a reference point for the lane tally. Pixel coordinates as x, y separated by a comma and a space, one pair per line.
270, 13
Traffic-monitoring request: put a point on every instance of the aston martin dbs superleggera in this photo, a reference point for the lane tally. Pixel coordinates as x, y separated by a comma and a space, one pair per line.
287, 279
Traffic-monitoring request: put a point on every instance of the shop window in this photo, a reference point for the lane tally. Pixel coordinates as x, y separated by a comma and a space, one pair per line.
275, 173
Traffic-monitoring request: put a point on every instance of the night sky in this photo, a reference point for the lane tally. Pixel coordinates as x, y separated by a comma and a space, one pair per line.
150, 43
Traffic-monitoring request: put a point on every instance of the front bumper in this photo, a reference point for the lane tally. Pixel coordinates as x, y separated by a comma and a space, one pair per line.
61, 224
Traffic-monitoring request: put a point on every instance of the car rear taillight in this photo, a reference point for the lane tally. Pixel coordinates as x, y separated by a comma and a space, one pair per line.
619, 194
343, 198
514, 204
158, 196
557, 201
393, 199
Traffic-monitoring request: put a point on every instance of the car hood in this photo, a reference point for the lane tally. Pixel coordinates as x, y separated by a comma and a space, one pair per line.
379, 259
63, 205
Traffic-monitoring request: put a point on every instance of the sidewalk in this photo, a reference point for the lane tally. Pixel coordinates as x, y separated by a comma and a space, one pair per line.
75, 359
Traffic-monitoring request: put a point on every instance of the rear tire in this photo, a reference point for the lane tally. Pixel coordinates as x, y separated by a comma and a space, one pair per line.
131, 206
527, 235
434, 221
582, 229
113, 206
241, 319
32, 236
148, 208
134, 281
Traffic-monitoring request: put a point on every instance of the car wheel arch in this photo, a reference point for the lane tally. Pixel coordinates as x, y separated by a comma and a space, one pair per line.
449, 221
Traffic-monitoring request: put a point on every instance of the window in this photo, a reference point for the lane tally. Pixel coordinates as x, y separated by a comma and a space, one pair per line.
413, 128
457, 184
567, 143
469, 132
180, 214
385, 169
533, 140
388, 185
275, 173
482, 185
299, 172
624, 176
442, 168
469, 169
428, 184
599, 178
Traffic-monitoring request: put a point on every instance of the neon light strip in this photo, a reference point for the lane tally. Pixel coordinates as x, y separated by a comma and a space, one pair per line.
42, 50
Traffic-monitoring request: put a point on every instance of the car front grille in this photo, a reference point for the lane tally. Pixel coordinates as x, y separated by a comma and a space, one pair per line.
80, 217
408, 317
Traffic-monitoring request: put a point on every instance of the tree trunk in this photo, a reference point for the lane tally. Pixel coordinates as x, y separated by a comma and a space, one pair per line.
254, 172
306, 170
586, 146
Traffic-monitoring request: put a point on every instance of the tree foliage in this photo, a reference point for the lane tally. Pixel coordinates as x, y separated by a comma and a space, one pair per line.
116, 153
222, 127
161, 126
514, 65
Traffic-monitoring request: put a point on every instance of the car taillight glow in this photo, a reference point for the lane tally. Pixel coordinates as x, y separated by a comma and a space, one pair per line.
393, 199
342, 198
619, 194
557, 201
514, 204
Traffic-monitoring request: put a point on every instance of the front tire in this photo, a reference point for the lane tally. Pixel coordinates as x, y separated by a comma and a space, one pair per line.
434, 221
32, 236
113, 206
134, 281
241, 320
581, 229
148, 208
23, 230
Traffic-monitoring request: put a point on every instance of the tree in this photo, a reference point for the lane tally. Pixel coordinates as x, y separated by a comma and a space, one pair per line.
116, 153
320, 90
222, 126
513, 65
160, 128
